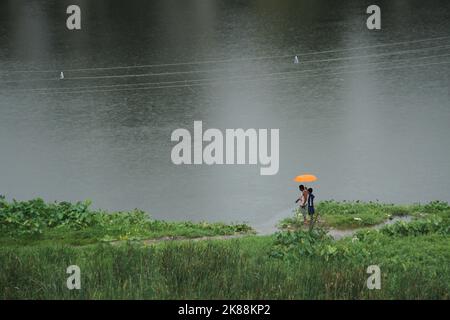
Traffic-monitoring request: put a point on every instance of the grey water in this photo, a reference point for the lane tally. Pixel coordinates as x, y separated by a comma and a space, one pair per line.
367, 111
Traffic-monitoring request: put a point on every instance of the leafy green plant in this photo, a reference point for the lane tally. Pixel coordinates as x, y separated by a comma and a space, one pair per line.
33, 216
357, 214
78, 224
429, 225
302, 243
436, 206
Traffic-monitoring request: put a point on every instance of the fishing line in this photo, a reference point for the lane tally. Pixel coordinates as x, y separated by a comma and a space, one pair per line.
215, 70
226, 60
229, 78
245, 80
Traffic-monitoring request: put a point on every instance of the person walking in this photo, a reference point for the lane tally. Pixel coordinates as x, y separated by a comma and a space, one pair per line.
303, 199
311, 209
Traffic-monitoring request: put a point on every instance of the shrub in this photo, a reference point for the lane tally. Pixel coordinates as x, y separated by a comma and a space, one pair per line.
430, 225
33, 216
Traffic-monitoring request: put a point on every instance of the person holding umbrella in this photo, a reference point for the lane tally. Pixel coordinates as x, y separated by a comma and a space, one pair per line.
305, 199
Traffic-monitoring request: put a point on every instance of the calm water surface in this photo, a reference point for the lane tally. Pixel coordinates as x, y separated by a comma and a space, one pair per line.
373, 123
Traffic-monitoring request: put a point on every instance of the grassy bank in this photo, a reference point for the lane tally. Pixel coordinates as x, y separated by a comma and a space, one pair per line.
231, 269
351, 215
35, 222
414, 259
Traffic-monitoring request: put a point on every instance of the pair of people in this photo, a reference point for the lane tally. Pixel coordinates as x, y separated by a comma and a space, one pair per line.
306, 200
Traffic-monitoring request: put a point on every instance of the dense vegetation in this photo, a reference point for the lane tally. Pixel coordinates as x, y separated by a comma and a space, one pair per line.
37, 222
344, 215
414, 259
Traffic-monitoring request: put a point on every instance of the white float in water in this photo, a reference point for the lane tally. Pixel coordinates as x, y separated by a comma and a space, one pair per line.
296, 60
61, 76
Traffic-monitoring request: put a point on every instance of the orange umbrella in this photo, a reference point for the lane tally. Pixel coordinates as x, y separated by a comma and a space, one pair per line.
305, 178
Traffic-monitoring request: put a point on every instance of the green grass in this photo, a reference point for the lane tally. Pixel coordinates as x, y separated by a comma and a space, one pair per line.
91, 235
414, 259
35, 222
228, 269
351, 215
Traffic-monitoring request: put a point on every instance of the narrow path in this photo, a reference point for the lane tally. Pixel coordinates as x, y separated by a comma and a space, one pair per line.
168, 239
335, 233
224, 237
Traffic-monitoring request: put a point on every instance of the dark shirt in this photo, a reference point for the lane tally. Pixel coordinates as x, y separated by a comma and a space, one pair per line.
311, 200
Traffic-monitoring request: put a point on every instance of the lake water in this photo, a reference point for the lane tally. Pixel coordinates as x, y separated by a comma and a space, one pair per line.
368, 112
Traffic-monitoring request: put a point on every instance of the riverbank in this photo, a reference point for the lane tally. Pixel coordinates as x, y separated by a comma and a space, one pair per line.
35, 222
414, 256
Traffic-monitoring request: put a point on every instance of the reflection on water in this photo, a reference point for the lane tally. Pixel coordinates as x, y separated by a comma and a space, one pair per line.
372, 123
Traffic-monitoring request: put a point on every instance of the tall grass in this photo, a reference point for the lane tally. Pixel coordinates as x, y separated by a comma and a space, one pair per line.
210, 270
414, 257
